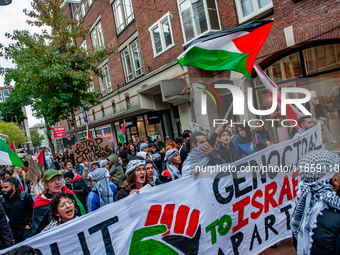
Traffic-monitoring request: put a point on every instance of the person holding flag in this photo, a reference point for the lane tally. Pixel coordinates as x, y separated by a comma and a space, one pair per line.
245, 142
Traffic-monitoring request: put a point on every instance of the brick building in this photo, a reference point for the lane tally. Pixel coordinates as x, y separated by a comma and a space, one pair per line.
143, 81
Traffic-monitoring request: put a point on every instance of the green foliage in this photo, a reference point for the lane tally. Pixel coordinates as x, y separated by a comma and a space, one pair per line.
13, 132
51, 74
36, 138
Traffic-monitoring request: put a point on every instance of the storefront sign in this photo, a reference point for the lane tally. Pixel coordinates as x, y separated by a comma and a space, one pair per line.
154, 117
59, 132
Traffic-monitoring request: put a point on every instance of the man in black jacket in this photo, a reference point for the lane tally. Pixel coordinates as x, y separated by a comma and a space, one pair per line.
18, 206
6, 239
77, 184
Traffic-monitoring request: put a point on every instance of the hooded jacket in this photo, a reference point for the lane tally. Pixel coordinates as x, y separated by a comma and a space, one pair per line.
78, 186
230, 155
116, 170
243, 145
41, 210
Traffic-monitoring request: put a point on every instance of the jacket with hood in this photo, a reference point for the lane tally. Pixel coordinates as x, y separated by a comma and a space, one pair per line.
78, 186
243, 144
116, 170
6, 239
41, 210
230, 155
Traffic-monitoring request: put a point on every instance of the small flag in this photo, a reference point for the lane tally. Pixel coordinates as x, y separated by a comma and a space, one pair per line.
84, 116
88, 132
122, 133
13, 147
41, 161
232, 49
291, 111
253, 143
8, 156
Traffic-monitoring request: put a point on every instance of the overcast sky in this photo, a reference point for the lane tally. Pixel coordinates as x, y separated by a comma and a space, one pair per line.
12, 18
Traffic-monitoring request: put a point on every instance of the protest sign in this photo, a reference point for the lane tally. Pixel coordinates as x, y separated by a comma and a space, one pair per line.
34, 173
193, 215
92, 149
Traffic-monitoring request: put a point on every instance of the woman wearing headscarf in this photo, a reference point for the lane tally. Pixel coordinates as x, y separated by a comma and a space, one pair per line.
261, 131
135, 178
157, 163
103, 192
62, 209
104, 164
173, 166
315, 221
245, 142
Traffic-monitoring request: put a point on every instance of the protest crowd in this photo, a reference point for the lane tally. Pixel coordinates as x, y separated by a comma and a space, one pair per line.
65, 190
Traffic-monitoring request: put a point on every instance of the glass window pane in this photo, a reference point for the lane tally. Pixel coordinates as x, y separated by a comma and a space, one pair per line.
330, 55
214, 19
189, 30
197, 6
309, 60
167, 33
136, 58
276, 72
128, 11
247, 7
100, 35
320, 57
201, 23
211, 4
263, 3
337, 47
127, 65
157, 39
186, 11
118, 16
94, 39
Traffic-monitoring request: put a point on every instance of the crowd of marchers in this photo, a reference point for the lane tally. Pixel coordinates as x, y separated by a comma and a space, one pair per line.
66, 191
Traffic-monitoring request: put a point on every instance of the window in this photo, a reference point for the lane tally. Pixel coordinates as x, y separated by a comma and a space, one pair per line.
77, 17
105, 80
91, 88
123, 14
94, 115
79, 121
89, 2
128, 105
83, 9
114, 108
132, 61
198, 17
1, 99
97, 37
247, 9
6, 94
103, 113
161, 35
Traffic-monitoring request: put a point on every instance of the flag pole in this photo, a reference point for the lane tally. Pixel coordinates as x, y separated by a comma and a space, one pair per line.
231, 105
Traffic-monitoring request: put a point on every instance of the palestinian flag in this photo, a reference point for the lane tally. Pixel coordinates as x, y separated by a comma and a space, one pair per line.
8, 156
13, 147
41, 161
253, 143
232, 49
122, 133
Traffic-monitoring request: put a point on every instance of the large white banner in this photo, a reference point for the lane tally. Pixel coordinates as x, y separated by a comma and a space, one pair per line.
225, 213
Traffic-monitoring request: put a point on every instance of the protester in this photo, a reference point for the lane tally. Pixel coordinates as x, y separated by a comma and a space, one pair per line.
7, 175
103, 192
143, 147
20, 175
178, 143
185, 148
69, 166
143, 154
136, 179
62, 210
263, 144
169, 145
18, 206
116, 170
151, 148
245, 142
305, 123
52, 185
261, 130
173, 166
6, 238
226, 148
151, 177
232, 132
131, 151
86, 175
124, 156
157, 162
160, 146
77, 184
104, 164
120, 161
316, 219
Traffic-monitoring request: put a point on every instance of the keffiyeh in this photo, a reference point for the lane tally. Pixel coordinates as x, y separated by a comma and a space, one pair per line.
315, 195
103, 162
173, 170
100, 176
133, 164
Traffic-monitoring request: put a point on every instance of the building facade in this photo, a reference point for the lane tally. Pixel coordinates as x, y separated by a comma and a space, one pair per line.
144, 84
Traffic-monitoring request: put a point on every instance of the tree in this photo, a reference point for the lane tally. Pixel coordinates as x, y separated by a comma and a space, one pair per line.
13, 132
51, 73
36, 138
